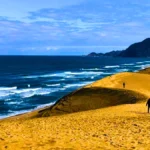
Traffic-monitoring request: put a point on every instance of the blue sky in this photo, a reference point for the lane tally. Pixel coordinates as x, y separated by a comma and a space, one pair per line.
77, 27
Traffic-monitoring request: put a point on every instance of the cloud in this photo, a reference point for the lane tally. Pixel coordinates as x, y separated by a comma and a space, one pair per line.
75, 27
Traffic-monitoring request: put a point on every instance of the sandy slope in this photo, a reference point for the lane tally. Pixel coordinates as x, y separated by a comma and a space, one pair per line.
134, 81
93, 98
119, 127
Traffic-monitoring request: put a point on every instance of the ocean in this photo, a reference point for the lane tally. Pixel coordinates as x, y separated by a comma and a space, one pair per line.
31, 82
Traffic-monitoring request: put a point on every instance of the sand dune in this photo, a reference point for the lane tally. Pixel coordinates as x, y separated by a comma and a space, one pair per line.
105, 117
93, 98
134, 81
103, 93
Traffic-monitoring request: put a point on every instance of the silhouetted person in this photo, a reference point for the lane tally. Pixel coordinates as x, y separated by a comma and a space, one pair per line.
124, 85
148, 104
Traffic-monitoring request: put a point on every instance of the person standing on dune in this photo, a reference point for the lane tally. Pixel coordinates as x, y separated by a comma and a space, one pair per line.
148, 104
124, 85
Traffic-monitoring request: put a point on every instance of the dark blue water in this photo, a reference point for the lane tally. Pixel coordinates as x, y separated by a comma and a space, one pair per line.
30, 82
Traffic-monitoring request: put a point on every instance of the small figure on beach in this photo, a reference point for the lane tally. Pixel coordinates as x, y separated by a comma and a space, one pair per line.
124, 85
148, 104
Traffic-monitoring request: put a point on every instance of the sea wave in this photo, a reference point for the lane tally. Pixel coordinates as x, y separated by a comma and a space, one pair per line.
77, 84
45, 105
14, 113
39, 92
116, 66
4, 94
83, 73
145, 66
26, 93
7, 88
91, 69
13, 102
122, 70
142, 66
45, 75
11, 113
53, 85
67, 74
139, 62
131, 64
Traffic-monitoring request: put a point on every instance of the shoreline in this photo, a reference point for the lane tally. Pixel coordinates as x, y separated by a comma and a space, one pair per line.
65, 96
42, 108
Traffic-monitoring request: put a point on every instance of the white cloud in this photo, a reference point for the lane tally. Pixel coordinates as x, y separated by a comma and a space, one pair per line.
51, 48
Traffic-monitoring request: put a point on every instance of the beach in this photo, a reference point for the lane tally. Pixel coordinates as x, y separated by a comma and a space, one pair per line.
102, 115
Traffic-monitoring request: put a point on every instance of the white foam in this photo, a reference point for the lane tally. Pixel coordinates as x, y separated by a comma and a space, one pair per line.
142, 66
53, 85
138, 66
62, 79
14, 113
77, 84
13, 102
7, 88
92, 77
43, 92
45, 105
45, 75
83, 73
139, 62
8, 99
30, 77
145, 66
3, 94
128, 64
107, 73
6, 91
116, 66
49, 75
67, 74
92, 69
20, 91
39, 91
122, 70
26, 93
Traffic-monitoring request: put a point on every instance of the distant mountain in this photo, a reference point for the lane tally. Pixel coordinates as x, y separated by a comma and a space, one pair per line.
112, 54
141, 49
93, 54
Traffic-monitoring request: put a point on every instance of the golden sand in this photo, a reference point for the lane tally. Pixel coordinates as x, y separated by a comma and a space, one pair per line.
121, 127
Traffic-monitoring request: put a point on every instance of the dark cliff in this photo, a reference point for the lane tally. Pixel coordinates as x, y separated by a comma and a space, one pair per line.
140, 49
